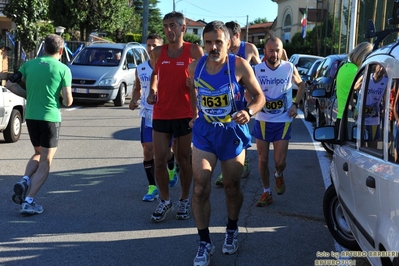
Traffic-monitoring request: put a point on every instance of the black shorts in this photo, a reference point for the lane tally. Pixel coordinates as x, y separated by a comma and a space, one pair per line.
43, 134
176, 127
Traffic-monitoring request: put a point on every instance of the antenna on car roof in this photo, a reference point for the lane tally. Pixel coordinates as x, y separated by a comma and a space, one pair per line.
381, 35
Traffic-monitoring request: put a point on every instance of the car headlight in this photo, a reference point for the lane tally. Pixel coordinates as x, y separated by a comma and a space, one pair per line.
107, 82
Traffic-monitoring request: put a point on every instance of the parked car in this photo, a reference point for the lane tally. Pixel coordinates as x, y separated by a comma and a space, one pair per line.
309, 76
361, 206
98, 76
303, 63
12, 115
313, 108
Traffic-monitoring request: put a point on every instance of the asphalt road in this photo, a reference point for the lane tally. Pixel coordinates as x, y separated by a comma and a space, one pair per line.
94, 215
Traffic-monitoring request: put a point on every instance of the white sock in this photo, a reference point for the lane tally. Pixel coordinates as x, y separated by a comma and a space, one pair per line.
278, 175
27, 179
167, 202
266, 190
29, 200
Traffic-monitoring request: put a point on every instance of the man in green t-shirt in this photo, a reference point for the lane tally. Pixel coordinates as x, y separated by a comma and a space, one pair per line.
46, 79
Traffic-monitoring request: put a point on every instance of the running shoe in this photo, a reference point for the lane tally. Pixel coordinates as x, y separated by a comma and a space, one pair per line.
161, 211
205, 250
183, 211
20, 190
31, 208
219, 181
230, 245
265, 199
246, 171
152, 193
173, 178
280, 186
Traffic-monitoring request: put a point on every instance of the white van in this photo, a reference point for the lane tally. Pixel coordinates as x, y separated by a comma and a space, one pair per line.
12, 115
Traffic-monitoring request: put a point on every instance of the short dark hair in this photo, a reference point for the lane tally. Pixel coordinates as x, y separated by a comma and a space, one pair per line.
179, 17
53, 43
217, 25
152, 36
234, 26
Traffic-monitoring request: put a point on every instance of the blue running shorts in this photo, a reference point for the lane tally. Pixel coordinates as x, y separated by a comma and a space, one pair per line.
225, 140
270, 132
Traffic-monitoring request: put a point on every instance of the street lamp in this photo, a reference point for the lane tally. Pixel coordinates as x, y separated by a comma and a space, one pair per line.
59, 30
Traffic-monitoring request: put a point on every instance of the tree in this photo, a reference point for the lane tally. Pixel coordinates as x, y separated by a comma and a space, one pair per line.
26, 15
258, 21
193, 38
154, 16
90, 15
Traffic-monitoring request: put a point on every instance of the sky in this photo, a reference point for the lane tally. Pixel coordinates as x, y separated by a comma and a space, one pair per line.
224, 10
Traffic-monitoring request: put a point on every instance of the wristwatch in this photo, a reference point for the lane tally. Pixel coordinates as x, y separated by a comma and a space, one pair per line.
296, 104
249, 111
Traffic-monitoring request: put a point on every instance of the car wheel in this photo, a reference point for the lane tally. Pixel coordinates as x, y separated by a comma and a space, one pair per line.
306, 113
121, 97
13, 129
336, 223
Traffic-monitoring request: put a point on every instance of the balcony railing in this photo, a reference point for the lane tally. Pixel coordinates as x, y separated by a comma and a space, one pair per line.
2, 5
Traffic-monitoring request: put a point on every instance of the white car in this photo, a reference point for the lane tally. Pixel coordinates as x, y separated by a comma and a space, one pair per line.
98, 75
361, 207
12, 115
303, 62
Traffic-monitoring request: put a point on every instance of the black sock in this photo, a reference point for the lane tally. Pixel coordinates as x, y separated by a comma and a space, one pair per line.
232, 224
171, 162
149, 171
204, 235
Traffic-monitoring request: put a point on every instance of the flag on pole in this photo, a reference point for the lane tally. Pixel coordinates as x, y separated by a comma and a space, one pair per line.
304, 23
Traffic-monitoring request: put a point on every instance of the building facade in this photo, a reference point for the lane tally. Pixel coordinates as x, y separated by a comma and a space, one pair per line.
339, 13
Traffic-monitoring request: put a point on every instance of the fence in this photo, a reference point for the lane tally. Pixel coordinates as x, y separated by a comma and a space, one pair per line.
17, 56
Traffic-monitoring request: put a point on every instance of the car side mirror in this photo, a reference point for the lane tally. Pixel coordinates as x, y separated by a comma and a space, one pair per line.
319, 93
324, 133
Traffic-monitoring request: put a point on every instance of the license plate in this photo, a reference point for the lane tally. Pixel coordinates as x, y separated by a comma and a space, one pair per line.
80, 90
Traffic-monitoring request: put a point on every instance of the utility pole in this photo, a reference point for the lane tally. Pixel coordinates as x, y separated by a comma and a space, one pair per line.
246, 36
174, 5
144, 33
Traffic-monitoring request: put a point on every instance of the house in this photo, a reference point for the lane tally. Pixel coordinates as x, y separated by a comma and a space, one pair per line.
195, 27
290, 13
257, 33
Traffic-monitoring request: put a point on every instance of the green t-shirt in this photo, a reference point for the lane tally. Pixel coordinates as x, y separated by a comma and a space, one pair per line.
345, 76
44, 76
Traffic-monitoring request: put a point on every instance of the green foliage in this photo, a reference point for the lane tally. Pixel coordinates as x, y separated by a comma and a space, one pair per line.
319, 41
66, 36
26, 14
104, 15
193, 38
44, 29
259, 21
133, 37
154, 16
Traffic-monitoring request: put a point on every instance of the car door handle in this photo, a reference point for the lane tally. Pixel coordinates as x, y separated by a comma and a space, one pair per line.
370, 182
345, 167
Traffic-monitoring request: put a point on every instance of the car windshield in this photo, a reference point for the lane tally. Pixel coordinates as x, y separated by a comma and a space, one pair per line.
306, 62
98, 57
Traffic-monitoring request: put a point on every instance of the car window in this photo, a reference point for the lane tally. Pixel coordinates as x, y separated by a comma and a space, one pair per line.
350, 115
305, 62
373, 108
139, 56
324, 71
394, 122
365, 109
130, 57
97, 57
